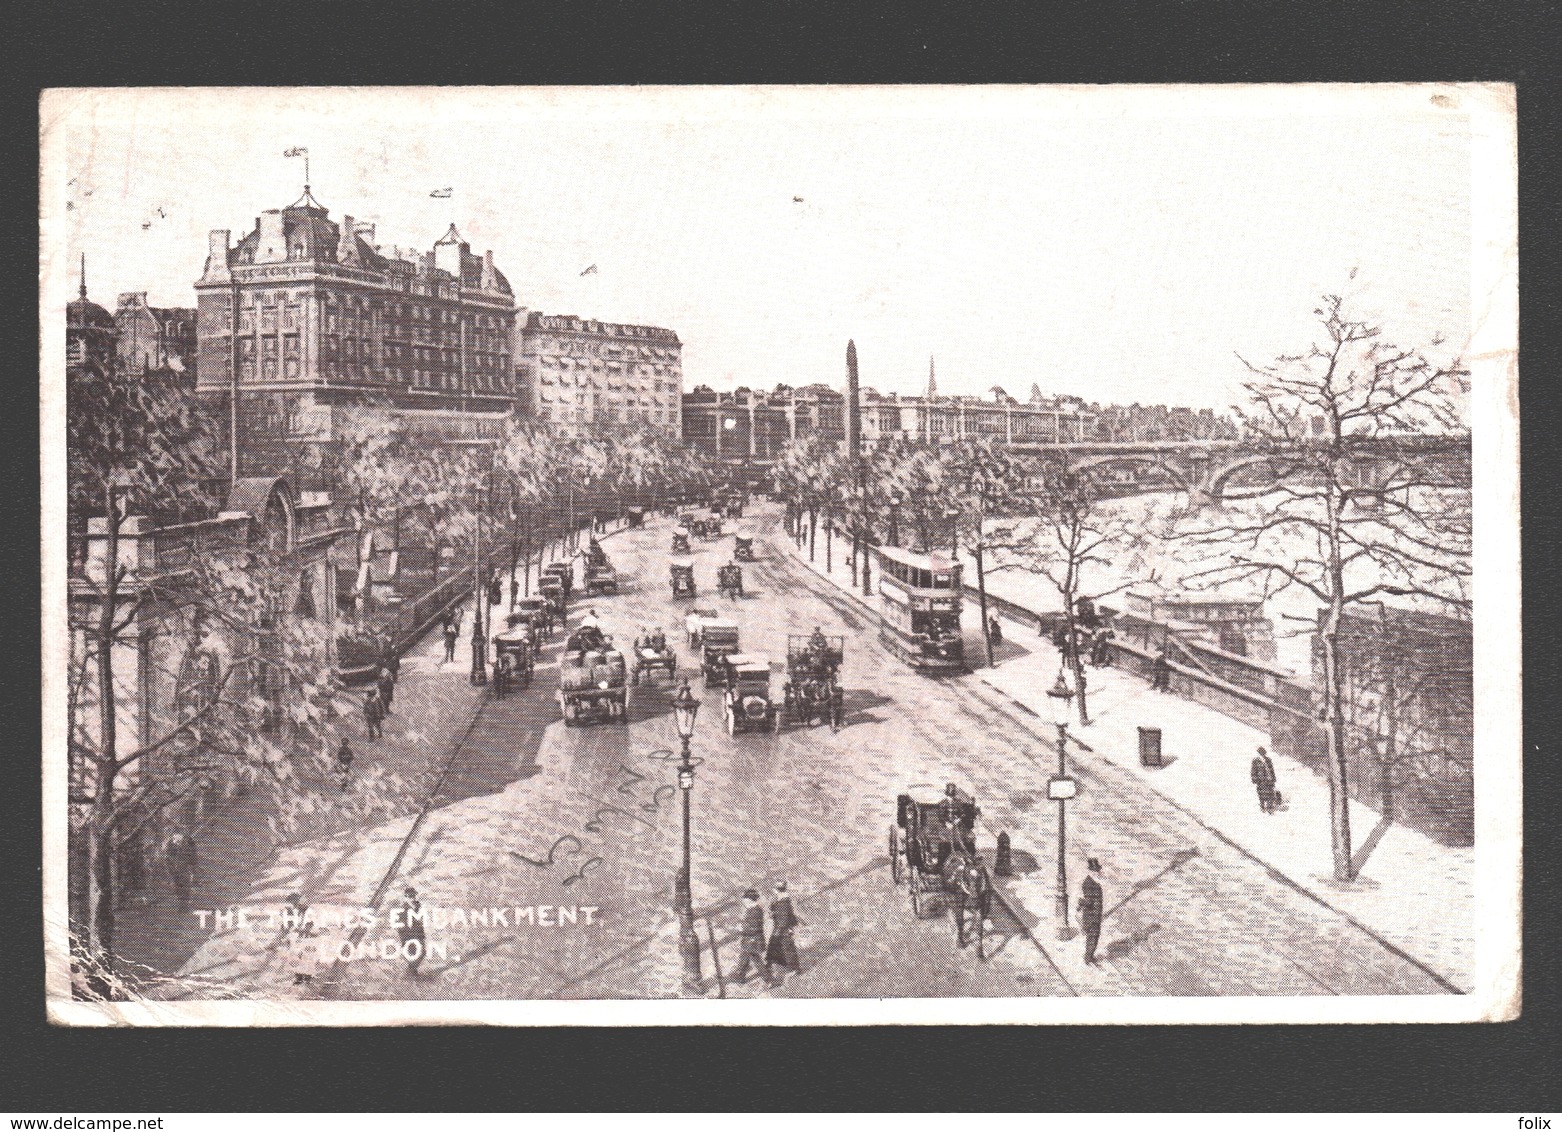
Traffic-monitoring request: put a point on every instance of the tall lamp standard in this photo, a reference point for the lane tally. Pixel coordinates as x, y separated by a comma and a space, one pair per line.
685, 708
479, 674
1060, 788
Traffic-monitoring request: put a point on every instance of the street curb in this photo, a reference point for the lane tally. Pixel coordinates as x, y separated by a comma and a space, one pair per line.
1387, 944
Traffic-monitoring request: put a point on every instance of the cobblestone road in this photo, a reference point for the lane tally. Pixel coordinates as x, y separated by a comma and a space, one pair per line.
1187, 913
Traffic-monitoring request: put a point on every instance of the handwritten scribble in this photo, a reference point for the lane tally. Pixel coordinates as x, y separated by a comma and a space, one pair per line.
553, 850
589, 867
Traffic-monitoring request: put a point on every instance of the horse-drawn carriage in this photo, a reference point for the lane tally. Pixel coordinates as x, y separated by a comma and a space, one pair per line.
735, 507
681, 575
652, 652
743, 547
747, 705
729, 581
515, 657
932, 850
593, 682
551, 590
718, 640
812, 690
680, 539
634, 518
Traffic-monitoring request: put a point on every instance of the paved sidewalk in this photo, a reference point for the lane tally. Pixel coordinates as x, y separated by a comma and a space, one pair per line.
237, 846
1411, 892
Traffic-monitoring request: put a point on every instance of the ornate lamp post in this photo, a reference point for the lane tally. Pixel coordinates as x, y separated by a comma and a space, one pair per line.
1060, 788
685, 708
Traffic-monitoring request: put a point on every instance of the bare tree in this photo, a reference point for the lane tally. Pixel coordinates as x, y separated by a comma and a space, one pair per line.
1359, 512
1066, 532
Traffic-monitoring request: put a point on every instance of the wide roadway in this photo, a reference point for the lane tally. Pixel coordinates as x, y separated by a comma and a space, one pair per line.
533, 814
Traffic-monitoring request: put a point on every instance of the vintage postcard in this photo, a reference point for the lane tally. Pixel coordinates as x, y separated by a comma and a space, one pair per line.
621, 556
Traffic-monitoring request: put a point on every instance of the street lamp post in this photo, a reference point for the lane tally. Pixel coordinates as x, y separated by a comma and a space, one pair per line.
685, 708
479, 675
1060, 788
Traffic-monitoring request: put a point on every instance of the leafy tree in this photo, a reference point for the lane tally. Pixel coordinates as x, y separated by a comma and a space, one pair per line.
982, 479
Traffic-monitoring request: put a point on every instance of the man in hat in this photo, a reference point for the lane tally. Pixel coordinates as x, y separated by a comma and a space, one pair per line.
782, 949
452, 633
387, 685
1160, 672
409, 928
1091, 903
373, 712
1262, 774
751, 939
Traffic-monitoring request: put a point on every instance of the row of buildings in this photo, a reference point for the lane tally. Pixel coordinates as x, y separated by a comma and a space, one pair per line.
748, 424
304, 316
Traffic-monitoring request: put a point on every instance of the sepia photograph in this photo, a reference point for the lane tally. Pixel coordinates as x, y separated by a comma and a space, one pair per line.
857, 555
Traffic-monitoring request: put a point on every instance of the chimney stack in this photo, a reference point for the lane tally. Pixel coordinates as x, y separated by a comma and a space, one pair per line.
490, 277
217, 243
347, 243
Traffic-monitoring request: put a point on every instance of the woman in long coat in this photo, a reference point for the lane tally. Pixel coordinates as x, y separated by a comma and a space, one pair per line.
782, 948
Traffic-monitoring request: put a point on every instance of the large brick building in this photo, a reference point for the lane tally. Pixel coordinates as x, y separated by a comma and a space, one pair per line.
305, 315
582, 371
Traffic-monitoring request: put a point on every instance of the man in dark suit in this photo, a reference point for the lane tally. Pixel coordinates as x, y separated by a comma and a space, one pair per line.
1263, 776
751, 939
1091, 903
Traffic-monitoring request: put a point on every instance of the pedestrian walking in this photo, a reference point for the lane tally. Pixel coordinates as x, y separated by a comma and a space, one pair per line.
1101, 647
781, 951
409, 929
1091, 903
1160, 672
994, 631
373, 713
387, 685
452, 632
515, 590
181, 867
344, 763
1262, 774
303, 953
751, 939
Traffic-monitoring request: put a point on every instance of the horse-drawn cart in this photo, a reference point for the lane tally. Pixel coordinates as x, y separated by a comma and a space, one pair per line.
813, 690
652, 653
932, 850
593, 684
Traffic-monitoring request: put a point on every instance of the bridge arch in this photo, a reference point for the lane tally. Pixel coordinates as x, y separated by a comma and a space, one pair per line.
1179, 476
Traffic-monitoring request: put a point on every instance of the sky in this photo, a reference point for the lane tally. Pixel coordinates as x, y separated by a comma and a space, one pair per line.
1119, 244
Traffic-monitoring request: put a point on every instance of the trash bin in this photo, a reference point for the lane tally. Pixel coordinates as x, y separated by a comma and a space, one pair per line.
1150, 746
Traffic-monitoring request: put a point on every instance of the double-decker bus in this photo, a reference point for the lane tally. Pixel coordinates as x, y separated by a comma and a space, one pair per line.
919, 609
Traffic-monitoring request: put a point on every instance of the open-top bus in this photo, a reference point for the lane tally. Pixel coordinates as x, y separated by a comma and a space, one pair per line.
919, 609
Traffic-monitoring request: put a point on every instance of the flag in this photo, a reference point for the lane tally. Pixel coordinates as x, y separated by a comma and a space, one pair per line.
296, 151
440, 194
592, 270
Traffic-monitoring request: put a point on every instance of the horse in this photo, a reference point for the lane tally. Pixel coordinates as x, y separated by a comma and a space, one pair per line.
970, 891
